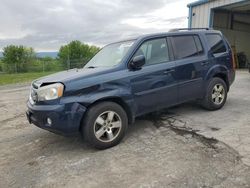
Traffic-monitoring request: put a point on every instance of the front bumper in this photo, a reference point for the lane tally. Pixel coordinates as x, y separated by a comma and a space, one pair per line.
66, 118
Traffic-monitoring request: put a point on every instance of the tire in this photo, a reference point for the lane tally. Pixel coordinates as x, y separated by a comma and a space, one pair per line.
216, 94
104, 125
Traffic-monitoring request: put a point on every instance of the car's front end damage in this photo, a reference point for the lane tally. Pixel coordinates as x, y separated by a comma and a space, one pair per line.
47, 111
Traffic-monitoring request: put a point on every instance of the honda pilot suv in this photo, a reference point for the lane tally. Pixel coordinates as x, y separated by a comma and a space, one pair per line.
130, 78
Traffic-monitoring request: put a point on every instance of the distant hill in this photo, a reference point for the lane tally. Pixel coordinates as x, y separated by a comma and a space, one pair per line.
41, 54
47, 54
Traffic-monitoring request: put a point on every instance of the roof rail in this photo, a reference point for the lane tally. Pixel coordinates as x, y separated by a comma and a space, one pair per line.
188, 29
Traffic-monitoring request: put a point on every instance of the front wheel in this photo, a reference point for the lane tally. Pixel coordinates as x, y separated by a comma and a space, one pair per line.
104, 125
216, 94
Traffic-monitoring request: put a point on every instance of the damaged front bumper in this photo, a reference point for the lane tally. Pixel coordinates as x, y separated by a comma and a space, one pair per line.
64, 119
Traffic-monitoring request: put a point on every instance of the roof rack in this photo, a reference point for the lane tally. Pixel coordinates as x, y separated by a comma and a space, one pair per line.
188, 29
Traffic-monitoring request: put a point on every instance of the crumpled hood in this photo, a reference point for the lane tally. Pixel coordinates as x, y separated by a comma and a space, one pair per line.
70, 75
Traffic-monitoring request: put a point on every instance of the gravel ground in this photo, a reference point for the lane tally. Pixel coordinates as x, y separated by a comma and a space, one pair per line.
230, 125
156, 152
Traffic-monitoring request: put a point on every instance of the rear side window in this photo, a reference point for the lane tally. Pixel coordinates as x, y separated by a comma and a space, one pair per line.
216, 44
186, 46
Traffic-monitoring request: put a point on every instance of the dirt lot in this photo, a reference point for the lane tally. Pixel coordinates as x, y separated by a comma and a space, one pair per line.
173, 148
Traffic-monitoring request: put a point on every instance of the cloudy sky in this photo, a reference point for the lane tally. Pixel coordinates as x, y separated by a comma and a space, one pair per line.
45, 25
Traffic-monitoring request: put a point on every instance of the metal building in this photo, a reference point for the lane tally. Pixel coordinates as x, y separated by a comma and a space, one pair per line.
232, 17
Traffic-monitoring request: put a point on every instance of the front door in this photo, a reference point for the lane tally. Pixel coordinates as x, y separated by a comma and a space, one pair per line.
154, 86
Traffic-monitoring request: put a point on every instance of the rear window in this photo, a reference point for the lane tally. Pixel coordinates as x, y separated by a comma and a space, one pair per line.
216, 44
186, 46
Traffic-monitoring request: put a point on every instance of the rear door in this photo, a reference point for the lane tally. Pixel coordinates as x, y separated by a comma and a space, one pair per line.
190, 60
154, 86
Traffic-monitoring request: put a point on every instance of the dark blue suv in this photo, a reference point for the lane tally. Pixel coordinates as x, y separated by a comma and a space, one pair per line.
131, 78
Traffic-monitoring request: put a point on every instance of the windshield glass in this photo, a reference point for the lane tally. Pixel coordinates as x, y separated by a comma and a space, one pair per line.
110, 55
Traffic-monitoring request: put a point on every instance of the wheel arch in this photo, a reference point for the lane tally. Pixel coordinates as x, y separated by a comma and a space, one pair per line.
223, 76
117, 100
218, 71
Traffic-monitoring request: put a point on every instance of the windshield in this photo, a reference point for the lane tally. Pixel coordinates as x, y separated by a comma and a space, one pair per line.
110, 55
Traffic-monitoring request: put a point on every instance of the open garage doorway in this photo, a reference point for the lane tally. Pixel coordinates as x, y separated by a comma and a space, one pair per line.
234, 21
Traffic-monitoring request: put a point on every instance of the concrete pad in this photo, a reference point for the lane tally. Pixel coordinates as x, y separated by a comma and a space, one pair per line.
231, 124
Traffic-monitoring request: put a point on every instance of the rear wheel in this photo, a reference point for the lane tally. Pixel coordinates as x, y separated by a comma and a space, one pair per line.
105, 125
216, 94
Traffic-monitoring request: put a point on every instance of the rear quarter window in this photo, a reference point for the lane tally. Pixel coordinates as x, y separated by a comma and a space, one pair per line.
216, 44
186, 46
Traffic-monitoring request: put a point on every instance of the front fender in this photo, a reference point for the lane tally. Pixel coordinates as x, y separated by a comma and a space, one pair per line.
113, 90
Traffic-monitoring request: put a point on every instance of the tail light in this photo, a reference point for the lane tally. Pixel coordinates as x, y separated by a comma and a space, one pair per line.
233, 60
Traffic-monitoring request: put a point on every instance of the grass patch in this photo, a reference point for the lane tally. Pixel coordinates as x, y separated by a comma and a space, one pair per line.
21, 77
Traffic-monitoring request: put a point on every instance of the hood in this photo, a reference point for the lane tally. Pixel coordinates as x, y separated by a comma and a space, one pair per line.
70, 75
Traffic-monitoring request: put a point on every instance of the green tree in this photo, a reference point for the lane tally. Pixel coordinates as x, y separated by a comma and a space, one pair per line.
1, 66
76, 54
17, 58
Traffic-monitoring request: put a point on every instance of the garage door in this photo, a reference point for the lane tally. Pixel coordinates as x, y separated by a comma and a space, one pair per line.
234, 21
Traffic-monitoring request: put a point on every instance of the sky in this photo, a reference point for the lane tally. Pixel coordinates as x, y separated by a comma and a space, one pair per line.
45, 25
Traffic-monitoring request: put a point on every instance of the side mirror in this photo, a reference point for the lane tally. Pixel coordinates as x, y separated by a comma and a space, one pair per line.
137, 62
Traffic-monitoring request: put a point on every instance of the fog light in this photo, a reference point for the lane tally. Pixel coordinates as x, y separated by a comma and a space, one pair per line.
49, 121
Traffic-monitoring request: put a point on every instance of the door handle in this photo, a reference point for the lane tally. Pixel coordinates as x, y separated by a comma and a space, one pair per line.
204, 63
168, 71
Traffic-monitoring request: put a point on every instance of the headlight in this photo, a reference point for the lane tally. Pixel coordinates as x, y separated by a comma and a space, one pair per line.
50, 92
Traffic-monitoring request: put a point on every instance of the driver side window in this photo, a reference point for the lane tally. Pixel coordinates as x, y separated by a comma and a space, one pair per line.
155, 51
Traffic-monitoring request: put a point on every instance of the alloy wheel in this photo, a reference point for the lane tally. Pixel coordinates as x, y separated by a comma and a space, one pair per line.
218, 94
107, 126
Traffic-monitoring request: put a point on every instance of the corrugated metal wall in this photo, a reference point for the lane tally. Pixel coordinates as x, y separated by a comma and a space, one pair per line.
201, 13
